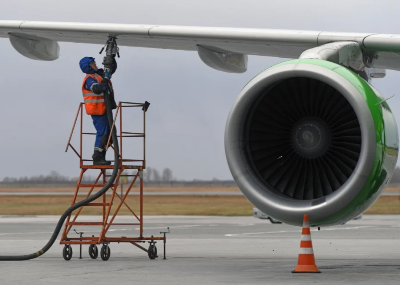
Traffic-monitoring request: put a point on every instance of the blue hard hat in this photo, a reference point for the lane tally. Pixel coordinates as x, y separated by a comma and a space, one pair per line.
84, 64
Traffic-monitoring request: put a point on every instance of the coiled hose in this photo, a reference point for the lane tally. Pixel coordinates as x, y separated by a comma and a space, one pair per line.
81, 203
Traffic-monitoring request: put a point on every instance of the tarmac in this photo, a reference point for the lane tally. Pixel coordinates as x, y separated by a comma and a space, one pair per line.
209, 250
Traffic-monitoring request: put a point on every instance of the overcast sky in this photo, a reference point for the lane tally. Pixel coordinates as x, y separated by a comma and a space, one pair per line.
189, 101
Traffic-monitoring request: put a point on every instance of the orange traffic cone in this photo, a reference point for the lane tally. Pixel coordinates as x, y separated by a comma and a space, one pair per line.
306, 261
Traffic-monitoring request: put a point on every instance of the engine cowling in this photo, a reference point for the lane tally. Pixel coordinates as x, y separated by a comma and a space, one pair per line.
311, 137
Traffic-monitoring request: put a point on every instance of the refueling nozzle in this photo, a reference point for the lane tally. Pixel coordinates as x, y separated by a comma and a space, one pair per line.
112, 50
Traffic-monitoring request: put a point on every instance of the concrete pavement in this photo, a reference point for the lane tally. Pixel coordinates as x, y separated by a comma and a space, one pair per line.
209, 250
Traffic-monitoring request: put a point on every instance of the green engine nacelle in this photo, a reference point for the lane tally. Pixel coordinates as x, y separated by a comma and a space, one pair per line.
311, 137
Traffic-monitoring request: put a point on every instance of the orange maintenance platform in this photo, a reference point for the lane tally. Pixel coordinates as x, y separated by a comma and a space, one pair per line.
110, 204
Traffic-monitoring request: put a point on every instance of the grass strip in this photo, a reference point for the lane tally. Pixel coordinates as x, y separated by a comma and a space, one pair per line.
160, 205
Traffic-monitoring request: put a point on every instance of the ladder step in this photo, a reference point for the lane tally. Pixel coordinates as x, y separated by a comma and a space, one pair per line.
130, 133
125, 224
94, 185
84, 223
77, 242
100, 224
122, 167
98, 204
133, 136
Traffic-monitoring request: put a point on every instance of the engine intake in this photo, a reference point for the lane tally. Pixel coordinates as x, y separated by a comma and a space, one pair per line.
304, 138
310, 136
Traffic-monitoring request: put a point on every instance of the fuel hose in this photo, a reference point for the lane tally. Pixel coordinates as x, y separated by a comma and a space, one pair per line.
83, 202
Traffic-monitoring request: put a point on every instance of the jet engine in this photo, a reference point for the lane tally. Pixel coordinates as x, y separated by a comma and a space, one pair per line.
312, 137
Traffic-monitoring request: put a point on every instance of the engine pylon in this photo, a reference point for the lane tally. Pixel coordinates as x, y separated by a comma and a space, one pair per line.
306, 260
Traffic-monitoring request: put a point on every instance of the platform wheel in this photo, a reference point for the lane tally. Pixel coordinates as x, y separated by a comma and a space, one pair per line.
93, 251
105, 252
152, 251
67, 252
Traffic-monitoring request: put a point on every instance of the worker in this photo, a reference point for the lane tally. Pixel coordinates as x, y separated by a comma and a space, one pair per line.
93, 88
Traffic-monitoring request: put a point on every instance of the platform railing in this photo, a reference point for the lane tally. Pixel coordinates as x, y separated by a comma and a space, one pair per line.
122, 134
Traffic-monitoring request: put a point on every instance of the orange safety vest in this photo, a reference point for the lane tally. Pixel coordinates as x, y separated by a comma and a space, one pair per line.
94, 103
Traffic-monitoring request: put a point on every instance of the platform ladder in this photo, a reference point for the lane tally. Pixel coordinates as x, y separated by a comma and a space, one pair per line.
114, 200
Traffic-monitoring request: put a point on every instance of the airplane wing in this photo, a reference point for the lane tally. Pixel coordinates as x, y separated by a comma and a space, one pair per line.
39, 40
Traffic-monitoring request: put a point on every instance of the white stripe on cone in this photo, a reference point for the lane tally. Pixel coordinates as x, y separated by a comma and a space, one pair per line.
306, 250
306, 225
306, 237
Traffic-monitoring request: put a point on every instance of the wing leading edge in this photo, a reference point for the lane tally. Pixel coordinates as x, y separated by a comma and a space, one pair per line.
383, 50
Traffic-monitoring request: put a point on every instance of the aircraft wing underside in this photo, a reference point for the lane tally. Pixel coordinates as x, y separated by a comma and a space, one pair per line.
382, 50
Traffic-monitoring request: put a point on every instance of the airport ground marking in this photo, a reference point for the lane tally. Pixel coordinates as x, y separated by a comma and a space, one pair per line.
298, 231
29, 233
110, 230
172, 227
383, 274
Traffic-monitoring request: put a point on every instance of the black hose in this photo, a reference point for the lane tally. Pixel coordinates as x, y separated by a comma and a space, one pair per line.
81, 203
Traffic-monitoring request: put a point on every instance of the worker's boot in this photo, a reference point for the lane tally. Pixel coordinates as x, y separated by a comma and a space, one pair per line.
103, 153
99, 158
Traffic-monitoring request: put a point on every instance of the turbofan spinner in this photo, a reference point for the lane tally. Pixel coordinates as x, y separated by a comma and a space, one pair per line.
310, 136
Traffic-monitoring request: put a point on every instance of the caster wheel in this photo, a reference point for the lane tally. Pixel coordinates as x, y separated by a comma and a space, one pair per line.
152, 251
67, 252
93, 251
105, 252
